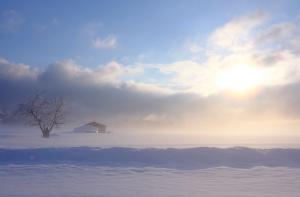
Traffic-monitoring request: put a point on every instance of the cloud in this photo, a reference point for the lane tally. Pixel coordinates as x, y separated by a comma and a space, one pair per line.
111, 74
236, 32
92, 30
103, 94
181, 94
99, 92
16, 71
15, 81
282, 36
108, 42
10, 21
248, 40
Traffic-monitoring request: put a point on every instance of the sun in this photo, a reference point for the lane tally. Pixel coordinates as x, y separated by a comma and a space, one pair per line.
240, 79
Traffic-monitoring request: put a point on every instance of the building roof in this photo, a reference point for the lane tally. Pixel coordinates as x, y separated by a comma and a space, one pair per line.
96, 124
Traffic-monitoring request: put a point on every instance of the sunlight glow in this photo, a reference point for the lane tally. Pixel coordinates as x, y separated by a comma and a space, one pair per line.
240, 79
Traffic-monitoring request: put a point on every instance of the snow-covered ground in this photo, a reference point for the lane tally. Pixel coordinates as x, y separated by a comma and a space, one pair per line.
119, 165
179, 158
127, 172
93, 181
31, 138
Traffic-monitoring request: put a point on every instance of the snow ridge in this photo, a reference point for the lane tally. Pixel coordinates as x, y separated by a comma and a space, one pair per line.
185, 158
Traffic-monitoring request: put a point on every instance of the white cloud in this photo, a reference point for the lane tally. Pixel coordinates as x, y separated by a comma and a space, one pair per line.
150, 87
112, 73
17, 71
104, 93
92, 31
235, 33
184, 91
108, 42
248, 40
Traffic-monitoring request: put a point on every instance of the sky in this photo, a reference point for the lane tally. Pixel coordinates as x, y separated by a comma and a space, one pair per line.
209, 67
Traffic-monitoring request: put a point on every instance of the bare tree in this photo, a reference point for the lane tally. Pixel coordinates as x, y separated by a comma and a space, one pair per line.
43, 112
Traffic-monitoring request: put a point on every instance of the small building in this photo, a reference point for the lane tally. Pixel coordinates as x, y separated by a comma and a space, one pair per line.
92, 127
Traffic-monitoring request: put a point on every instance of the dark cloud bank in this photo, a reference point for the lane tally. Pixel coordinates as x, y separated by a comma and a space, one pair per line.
90, 97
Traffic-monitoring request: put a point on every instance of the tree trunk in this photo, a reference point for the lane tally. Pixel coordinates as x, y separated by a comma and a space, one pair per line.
46, 133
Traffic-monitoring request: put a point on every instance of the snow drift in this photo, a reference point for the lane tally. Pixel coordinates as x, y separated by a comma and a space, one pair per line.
188, 158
